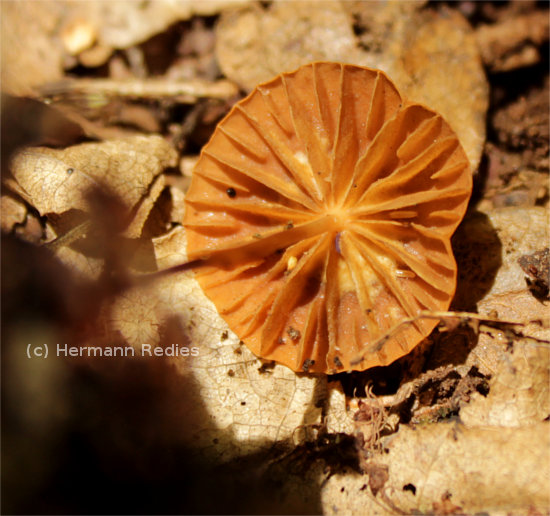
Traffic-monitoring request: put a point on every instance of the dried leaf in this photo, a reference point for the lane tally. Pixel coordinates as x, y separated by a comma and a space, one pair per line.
519, 393
88, 267
146, 205
12, 212
521, 231
253, 44
30, 55
494, 470
56, 181
124, 24
513, 43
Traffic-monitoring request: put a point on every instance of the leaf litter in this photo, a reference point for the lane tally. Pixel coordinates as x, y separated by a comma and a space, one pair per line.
455, 434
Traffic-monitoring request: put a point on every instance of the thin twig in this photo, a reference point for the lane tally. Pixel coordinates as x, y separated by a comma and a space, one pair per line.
463, 318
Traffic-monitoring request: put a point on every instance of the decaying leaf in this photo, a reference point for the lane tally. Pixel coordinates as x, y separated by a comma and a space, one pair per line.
125, 24
37, 37
30, 55
492, 457
254, 44
519, 392
513, 43
56, 181
12, 212
490, 469
521, 231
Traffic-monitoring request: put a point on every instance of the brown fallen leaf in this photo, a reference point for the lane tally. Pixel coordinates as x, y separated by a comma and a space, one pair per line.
56, 181
135, 227
30, 55
514, 42
125, 24
12, 212
253, 44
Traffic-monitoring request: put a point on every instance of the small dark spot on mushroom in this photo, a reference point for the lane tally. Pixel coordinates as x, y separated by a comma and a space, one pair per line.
410, 487
289, 225
257, 235
293, 333
266, 367
231, 373
238, 351
281, 340
337, 242
308, 362
231, 192
241, 343
224, 336
243, 403
70, 171
215, 440
363, 487
337, 362
369, 311
342, 489
354, 186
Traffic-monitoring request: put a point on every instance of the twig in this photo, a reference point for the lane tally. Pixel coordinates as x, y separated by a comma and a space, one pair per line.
462, 317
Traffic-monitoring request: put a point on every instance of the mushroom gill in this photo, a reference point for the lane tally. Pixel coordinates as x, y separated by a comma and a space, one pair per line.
324, 204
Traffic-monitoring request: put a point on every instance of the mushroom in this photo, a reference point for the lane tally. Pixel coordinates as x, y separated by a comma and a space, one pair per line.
323, 208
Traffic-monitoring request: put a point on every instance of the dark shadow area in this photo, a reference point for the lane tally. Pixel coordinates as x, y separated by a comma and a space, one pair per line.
115, 435
478, 253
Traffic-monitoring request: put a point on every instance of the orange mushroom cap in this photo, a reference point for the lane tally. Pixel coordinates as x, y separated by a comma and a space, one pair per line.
325, 204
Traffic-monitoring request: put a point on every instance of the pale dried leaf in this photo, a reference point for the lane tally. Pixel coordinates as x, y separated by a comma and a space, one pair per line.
123, 24
253, 44
135, 315
85, 266
178, 207
56, 181
494, 470
12, 212
249, 406
519, 393
170, 248
494, 280
88, 267
146, 205
30, 55
339, 417
521, 231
